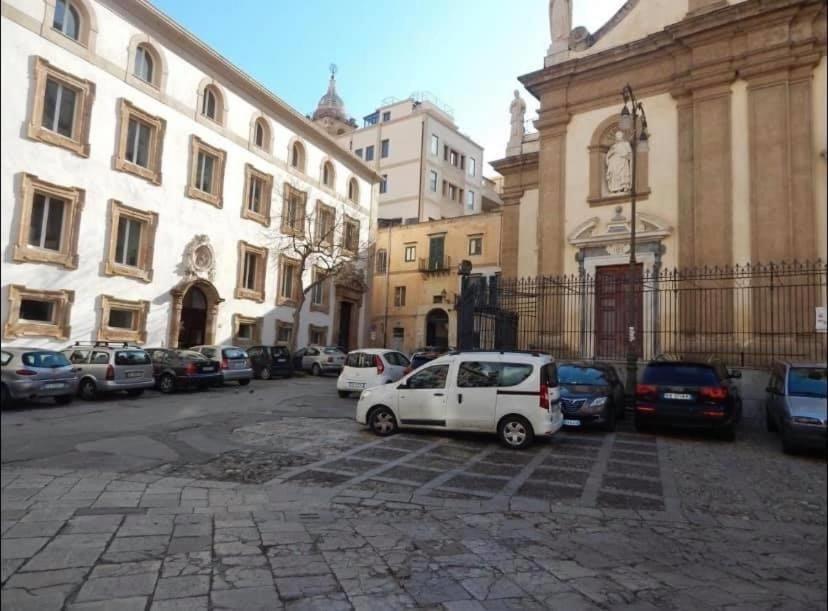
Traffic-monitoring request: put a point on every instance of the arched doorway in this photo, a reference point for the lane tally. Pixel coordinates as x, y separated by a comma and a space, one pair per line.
437, 328
194, 309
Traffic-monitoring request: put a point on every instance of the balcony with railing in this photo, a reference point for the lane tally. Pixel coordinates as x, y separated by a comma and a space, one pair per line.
435, 265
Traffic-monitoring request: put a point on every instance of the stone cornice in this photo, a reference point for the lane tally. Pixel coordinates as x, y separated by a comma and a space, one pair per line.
515, 163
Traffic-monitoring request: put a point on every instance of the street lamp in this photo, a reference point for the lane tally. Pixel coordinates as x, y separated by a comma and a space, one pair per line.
628, 120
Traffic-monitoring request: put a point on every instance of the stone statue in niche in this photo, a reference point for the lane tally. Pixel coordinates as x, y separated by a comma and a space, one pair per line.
619, 165
518, 111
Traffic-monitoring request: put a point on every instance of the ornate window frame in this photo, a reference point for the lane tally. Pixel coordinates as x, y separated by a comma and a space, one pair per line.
58, 328
302, 163
346, 248
67, 256
216, 199
298, 229
160, 71
259, 119
325, 286
143, 271
291, 266
256, 294
262, 217
87, 36
318, 329
598, 148
152, 173
324, 209
221, 103
139, 309
328, 165
353, 191
255, 322
281, 324
85, 90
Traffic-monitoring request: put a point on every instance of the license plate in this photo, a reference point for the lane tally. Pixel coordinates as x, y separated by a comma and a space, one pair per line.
356, 384
53, 385
134, 374
678, 396
207, 369
280, 360
238, 365
572, 422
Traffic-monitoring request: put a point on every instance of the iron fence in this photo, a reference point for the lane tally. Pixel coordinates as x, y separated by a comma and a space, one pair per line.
744, 315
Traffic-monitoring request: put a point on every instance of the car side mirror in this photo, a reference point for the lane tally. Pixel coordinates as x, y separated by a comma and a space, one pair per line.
736, 374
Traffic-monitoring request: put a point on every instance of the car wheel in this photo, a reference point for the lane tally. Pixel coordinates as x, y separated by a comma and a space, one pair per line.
515, 432
264, 374
166, 383
382, 421
609, 419
87, 390
769, 422
64, 399
344, 394
316, 370
135, 392
244, 382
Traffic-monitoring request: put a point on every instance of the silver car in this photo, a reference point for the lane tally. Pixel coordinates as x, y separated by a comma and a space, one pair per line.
235, 365
319, 359
795, 404
106, 367
34, 373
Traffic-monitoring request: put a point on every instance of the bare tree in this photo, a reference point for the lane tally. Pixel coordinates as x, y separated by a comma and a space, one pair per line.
321, 244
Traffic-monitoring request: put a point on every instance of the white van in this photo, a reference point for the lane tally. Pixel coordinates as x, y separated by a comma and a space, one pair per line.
513, 394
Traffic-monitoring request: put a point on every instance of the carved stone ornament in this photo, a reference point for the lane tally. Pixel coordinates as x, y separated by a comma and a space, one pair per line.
200, 259
617, 249
351, 277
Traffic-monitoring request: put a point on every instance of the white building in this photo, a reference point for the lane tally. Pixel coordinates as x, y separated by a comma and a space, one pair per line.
429, 169
146, 183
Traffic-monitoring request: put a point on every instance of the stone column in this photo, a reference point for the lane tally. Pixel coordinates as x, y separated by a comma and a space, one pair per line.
552, 186
510, 233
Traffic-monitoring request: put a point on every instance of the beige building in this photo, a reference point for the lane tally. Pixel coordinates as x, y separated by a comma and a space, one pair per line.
415, 282
429, 169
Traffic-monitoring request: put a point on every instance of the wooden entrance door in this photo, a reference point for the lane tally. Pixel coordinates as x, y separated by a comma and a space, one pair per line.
193, 319
612, 321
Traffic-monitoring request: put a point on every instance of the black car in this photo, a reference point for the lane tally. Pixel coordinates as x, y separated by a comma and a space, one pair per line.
688, 394
173, 368
591, 394
269, 361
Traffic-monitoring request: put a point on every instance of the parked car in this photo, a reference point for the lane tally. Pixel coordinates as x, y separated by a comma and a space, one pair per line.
105, 367
795, 404
174, 368
319, 359
591, 394
688, 394
235, 366
370, 367
420, 358
269, 361
513, 394
34, 373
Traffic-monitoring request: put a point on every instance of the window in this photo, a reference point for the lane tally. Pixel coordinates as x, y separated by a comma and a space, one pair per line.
445, 152
317, 335
123, 320
140, 142
288, 284
410, 253
284, 331
512, 374
328, 174
261, 134
62, 106
211, 104
293, 211
472, 166
385, 146
250, 282
396, 359
320, 291
475, 246
144, 67
325, 224
353, 191
258, 187
478, 375
34, 312
384, 184
67, 20
399, 296
429, 378
369, 153
470, 200
247, 330
350, 239
453, 158
131, 243
435, 144
358, 153
382, 261
452, 192
462, 162
207, 172
49, 223
386, 116
432, 181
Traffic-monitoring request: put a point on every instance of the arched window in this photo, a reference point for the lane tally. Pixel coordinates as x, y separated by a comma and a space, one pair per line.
144, 64
211, 104
353, 190
67, 19
261, 134
328, 176
297, 156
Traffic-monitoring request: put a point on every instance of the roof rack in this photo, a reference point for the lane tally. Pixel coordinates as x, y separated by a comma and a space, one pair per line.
105, 344
475, 350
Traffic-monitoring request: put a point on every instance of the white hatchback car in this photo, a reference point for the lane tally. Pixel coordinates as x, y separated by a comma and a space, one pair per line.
513, 394
370, 367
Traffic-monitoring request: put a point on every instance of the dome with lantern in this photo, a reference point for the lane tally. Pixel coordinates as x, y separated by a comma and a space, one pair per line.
330, 112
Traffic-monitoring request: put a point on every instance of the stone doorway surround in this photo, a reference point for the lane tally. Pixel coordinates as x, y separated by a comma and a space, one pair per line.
213, 300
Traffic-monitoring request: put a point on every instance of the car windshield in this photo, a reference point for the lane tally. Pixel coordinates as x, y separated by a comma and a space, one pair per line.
677, 374
279, 351
191, 355
808, 382
46, 360
132, 357
332, 351
234, 353
584, 376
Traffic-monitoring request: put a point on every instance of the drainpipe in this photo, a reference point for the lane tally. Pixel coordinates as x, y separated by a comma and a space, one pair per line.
422, 163
387, 288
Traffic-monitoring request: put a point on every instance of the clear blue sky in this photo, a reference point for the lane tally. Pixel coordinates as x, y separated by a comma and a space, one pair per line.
468, 53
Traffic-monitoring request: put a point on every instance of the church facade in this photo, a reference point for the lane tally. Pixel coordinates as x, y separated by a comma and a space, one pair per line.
735, 99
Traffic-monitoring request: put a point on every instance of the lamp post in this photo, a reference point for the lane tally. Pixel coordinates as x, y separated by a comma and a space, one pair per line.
628, 121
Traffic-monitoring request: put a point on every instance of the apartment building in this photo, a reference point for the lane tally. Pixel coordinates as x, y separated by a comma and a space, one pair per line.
429, 170
147, 183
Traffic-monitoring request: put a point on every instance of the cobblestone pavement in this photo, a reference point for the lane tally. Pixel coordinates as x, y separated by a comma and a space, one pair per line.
342, 519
